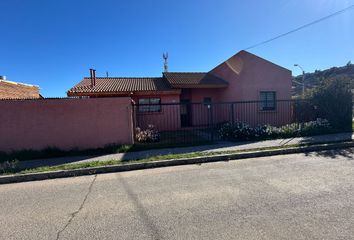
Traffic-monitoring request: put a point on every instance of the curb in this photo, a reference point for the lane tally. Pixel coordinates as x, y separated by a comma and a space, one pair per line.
168, 163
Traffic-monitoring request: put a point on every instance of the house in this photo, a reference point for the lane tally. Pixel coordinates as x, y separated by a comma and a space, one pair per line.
14, 90
183, 99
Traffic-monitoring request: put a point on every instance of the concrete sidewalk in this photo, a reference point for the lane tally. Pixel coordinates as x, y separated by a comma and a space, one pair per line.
220, 147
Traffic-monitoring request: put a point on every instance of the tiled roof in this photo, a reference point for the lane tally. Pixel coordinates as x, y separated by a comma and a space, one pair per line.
124, 84
169, 82
13, 90
194, 80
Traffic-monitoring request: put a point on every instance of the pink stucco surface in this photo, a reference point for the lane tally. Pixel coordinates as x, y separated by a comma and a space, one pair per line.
65, 123
247, 75
168, 119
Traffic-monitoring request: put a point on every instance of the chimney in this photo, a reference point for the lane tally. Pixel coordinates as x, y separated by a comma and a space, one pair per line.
94, 77
91, 76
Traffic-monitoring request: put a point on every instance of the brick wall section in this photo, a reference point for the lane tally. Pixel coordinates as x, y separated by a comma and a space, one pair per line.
12, 90
64, 123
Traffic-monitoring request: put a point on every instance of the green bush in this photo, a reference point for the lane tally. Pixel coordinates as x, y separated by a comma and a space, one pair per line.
333, 101
8, 166
304, 111
320, 126
238, 131
289, 130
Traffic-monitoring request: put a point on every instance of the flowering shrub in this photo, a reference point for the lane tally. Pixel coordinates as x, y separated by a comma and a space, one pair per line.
288, 130
8, 166
236, 130
148, 135
242, 131
266, 131
315, 127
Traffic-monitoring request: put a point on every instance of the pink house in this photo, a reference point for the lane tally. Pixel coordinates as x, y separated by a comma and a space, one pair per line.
184, 99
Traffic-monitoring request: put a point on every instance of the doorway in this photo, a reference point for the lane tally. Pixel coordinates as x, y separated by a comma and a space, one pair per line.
186, 118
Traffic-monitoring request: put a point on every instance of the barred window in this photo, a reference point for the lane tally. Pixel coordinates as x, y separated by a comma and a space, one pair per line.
207, 101
149, 105
268, 100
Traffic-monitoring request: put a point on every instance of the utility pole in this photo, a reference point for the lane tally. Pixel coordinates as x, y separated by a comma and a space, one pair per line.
303, 80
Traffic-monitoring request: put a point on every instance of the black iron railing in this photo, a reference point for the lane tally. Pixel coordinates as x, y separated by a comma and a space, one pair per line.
201, 122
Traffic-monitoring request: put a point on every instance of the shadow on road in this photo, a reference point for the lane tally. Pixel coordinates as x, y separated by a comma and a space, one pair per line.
347, 153
139, 208
339, 137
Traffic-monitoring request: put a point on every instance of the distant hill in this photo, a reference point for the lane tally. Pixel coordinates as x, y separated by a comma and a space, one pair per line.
312, 80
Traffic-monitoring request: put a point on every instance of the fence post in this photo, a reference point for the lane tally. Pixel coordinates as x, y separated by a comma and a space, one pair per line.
134, 121
232, 113
211, 122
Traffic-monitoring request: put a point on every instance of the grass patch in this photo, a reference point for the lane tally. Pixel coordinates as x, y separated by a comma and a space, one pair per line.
51, 152
160, 145
71, 166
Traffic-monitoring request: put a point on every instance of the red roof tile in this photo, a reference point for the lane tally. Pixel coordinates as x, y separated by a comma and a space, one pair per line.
115, 84
194, 80
171, 81
14, 90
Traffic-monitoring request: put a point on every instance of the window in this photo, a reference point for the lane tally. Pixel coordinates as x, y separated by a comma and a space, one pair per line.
207, 100
149, 105
268, 101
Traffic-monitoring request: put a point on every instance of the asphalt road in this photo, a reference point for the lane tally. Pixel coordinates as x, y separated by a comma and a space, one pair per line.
283, 197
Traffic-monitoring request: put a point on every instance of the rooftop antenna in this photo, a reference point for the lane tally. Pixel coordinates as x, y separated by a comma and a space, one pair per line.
107, 74
165, 64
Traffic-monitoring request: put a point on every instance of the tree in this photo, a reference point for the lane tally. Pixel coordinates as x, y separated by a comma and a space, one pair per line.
333, 101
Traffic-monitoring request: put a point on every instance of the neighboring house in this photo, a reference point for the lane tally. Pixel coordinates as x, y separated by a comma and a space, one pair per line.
243, 77
14, 90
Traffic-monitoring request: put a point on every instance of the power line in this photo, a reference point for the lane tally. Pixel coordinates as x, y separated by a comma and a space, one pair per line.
302, 27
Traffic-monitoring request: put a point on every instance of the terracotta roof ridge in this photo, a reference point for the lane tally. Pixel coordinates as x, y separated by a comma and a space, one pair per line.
19, 83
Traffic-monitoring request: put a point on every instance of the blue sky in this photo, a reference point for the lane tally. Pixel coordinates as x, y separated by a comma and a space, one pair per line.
54, 43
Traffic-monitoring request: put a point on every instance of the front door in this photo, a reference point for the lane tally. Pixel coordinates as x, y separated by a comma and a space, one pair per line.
186, 120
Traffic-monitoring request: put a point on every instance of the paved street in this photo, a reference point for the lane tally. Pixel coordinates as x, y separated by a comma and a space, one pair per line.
283, 197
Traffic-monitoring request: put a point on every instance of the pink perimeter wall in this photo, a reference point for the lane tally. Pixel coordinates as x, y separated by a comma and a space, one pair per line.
65, 123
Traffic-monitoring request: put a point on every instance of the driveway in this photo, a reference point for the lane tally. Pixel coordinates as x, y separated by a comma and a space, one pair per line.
283, 197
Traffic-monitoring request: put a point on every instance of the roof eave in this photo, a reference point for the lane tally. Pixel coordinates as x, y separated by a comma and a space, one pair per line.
199, 86
122, 94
